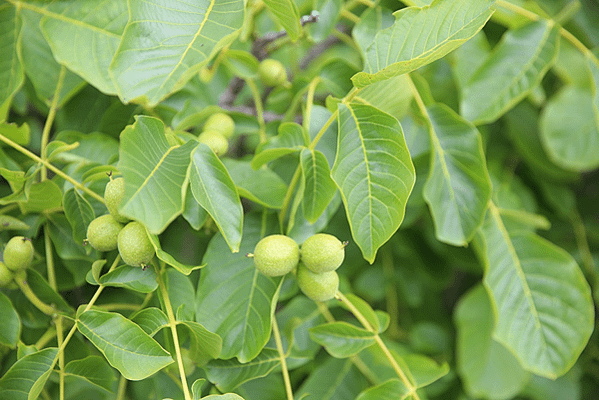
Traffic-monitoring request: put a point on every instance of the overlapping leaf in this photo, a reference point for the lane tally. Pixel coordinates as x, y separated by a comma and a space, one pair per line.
233, 299
420, 36
154, 174
159, 54
349, 381
134, 278
10, 329
26, 378
205, 345
94, 370
542, 302
512, 71
374, 173
124, 344
285, 11
319, 188
228, 374
262, 186
487, 368
393, 389
11, 72
458, 187
94, 29
214, 189
79, 213
342, 339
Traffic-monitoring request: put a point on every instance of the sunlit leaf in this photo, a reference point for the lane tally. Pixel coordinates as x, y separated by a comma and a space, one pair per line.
526, 276
150, 319
426, 33
214, 189
158, 55
26, 378
134, 278
319, 188
124, 344
458, 187
515, 67
374, 173
154, 174
228, 374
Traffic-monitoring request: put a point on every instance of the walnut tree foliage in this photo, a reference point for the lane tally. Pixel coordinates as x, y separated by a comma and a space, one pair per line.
452, 145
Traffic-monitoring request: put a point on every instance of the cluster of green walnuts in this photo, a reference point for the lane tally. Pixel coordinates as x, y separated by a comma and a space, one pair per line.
18, 256
314, 264
114, 230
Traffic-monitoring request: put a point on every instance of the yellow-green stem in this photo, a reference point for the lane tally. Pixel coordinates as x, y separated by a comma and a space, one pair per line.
51, 168
40, 305
172, 322
277, 335
259, 108
588, 263
349, 15
391, 292
402, 376
50, 119
310, 102
288, 195
120, 394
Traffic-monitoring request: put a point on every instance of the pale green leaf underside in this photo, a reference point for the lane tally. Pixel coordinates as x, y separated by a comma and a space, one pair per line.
11, 72
228, 374
319, 188
93, 29
158, 55
513, 70
374, 173
214, 189
234, 300
486, 367
542, 302
154, 174
27, 377
458, 187
420, 36
342, 339
287, 14
124, 344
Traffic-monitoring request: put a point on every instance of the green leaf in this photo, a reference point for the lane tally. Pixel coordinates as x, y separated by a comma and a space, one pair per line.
487, 368
234, 300
150, 319
205, 345
292, 138
286, 13
8, 223
262, 186
328, 14
94, 370
214, 189
426, 33
157, 56
124, 344
342, 339
392, 96
242, 64
526, 277
170, 260
227, 396
18, 134
45, 293
79, 213
10, 329
367, 312
134, 278
42, 196
513, 70
196, 388
374, 173
319, 187
371, 22
229, 374
392, 389
94, 37
11, 72
26, 378
154, 174
333, 379
458, 187
569, 127
468, 58
193, 211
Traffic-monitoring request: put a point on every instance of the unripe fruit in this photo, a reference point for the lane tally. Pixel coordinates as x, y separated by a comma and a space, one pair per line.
18, 253
318, 287
222, 123
276, 255
272, 72
134, 245
113, 196
216, 141
6, 275
322, 253
103, 232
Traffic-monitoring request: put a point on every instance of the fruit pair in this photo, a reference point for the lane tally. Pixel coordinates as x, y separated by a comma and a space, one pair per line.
320, 255
18, 255
219, 127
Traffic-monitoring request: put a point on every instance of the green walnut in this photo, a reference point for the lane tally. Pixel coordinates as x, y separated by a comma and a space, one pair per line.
322, 253
216, 141
276, 255
222, 123
18, 253
6, 275
272, 72
134, 245
318, 287
103, 232
113, 197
